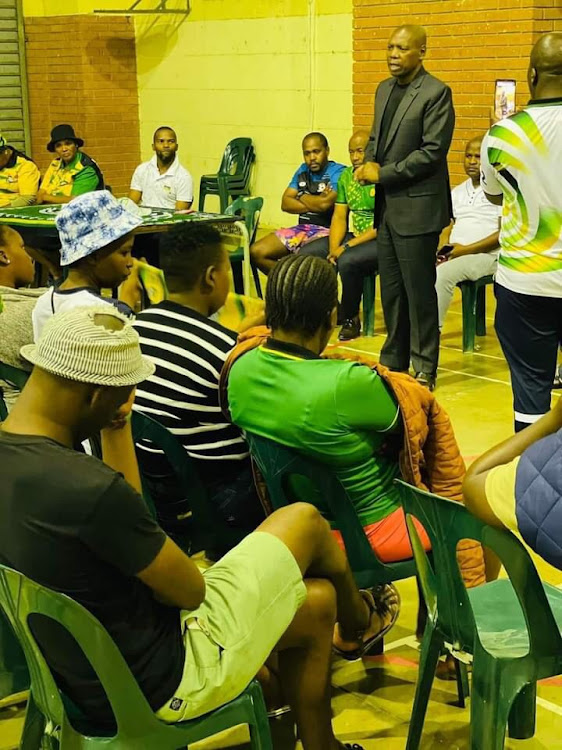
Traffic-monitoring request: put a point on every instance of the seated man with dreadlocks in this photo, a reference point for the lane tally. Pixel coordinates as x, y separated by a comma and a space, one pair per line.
335, 411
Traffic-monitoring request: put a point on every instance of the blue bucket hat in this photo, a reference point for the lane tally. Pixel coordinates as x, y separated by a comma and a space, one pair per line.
90, 222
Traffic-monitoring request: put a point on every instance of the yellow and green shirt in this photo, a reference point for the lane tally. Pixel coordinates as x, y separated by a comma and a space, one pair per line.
81, 175
360, 199
334, 411
19, 178
522, 158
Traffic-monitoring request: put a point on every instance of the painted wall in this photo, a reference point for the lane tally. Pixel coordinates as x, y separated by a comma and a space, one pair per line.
269, 69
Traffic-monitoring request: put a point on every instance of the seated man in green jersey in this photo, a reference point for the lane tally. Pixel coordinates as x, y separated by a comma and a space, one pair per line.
335, 411
352, 249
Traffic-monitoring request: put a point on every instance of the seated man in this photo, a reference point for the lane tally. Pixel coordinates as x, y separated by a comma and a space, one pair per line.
80, 527
517, 485
188, 349
163, 182
338, 412
470, 244
19, 177
311, 194
96, 233
354, 252
72, 172
16, 274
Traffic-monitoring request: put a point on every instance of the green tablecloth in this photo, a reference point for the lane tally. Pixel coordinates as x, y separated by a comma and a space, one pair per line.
42, 219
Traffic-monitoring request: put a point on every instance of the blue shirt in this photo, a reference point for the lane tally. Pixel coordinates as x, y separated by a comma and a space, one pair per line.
315, 183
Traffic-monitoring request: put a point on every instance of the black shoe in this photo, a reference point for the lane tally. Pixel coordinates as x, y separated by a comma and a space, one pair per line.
425, 379
351, 329
340, 315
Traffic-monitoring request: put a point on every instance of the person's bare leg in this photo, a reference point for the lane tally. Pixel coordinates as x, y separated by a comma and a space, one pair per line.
266, 252
305, 655
301, 527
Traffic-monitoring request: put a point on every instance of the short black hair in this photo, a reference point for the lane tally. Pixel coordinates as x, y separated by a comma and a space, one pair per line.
300, 295
321, 137
186, 251
163, 127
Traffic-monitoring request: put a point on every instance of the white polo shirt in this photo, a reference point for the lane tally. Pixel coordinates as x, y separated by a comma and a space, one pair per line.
475, 217
162, 190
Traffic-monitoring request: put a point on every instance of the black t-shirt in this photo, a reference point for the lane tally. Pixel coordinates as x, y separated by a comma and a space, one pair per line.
73, 525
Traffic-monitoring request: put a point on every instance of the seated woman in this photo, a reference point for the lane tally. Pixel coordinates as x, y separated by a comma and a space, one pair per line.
337, 412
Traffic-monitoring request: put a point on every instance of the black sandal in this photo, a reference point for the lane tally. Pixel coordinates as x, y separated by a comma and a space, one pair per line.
382, 599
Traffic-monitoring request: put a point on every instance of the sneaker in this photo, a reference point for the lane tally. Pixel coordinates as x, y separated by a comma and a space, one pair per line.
425, 379
350, 329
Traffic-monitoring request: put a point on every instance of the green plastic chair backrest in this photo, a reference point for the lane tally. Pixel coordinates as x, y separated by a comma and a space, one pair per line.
249, 209
209, 530
292, 477
447, 523
237, 157
20, 597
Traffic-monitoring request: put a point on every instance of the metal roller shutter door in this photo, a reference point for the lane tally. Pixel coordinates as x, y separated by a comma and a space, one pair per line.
13, 105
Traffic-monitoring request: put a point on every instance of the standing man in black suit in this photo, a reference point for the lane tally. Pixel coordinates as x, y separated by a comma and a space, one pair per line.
407, 160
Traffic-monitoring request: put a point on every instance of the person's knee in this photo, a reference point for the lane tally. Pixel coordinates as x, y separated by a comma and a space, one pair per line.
304, 517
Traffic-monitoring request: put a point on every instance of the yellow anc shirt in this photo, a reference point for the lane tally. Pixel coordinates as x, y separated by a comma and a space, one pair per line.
76, 178
20, 177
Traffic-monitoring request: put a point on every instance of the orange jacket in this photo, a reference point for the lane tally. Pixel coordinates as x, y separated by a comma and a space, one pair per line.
429, 457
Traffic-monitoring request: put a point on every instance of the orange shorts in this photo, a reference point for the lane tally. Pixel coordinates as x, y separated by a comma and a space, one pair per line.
389, 537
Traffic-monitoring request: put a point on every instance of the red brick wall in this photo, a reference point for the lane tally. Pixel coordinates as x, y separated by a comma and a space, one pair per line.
470, 44
82, 70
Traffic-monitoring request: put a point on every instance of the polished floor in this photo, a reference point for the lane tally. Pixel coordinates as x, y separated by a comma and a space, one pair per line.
372, 699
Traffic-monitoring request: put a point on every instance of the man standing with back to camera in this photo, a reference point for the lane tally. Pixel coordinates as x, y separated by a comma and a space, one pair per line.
407, 160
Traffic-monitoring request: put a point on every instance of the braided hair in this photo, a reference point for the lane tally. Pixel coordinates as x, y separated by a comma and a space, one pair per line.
301, 293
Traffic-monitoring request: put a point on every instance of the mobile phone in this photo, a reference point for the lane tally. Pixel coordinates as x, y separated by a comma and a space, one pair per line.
504, 98
445, 250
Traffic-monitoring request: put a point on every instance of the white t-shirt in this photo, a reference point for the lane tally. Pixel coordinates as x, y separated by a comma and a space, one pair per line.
475, 217
522, 158
162, 190
51, 302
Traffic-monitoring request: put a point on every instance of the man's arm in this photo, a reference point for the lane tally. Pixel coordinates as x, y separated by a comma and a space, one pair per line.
474, 485
445, 235
486, 245
28, 185
319, 203
174, 578
183, 205
488, 178
43, 197
135, 195
291, 204
497, 200
438, 126
338, 228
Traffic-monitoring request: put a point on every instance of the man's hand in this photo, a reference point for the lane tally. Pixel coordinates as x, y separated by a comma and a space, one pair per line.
333, 256
40, 198
367, 173
121, 416
458, 251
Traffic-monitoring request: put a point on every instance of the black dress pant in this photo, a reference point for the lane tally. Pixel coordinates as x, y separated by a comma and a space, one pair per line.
409, 300
529, 329
354, 265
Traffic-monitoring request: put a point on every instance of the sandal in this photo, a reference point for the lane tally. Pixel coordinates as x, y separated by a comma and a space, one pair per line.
382, 600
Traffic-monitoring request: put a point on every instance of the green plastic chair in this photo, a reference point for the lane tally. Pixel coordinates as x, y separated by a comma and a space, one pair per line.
233, 176
473, 310
47, 723
15, 377
205, 529
369, 286
512, 627
249, 209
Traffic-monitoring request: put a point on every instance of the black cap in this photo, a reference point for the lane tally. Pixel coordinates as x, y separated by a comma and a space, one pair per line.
63, 133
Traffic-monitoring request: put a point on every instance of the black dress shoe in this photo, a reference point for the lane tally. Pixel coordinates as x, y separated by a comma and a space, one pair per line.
425, 379
350, 329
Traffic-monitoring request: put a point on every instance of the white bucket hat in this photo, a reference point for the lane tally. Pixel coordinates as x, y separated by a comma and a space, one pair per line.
92, 221
76, 346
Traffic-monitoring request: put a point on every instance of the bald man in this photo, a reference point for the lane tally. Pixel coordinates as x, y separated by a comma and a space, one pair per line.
521, 160
407, 161
351, 245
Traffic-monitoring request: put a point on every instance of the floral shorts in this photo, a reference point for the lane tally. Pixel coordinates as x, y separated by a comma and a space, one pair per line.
293, 238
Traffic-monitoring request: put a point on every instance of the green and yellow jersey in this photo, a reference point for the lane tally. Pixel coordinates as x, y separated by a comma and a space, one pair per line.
81, 175
19, 181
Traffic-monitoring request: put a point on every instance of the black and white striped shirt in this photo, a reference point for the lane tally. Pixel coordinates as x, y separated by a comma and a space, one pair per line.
189, 351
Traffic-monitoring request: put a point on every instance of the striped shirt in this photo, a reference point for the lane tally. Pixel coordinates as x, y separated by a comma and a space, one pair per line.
521, 158
189, 351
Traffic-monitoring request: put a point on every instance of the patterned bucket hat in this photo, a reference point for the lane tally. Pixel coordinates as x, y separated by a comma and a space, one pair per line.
94, 344
92, 221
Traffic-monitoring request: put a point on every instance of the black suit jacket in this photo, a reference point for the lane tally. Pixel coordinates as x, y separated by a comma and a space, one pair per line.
414, 171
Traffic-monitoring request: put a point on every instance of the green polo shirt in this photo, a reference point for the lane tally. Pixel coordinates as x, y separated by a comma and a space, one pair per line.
337, 412
360, 199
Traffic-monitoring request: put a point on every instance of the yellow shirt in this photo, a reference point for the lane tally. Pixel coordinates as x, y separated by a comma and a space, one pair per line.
20, 177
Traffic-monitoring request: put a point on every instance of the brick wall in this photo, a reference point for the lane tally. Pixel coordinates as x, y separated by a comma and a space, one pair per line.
470, 44
82, 70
